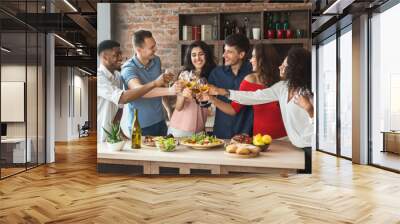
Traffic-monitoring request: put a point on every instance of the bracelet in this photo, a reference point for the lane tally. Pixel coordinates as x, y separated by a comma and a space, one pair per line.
206, 105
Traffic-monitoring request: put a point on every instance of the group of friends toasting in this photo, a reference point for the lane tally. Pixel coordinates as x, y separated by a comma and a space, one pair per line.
256, 95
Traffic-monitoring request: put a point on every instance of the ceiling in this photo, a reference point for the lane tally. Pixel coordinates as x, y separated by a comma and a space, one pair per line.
76, 21
328, 14
34, 6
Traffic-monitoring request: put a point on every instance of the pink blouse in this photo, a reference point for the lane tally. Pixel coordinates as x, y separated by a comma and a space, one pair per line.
191, 118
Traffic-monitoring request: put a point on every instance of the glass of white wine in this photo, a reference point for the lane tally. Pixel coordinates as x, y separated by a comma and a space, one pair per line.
203, 87
202, 82
170, 75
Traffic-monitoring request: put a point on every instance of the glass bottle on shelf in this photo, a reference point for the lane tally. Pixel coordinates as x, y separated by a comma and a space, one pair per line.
286, 26
234, 27
271, 27
227, 28
266, 27
276, 20
215, 30
246, 28
285, 20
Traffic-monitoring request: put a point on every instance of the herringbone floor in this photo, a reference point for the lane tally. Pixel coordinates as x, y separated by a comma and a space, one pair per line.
71, 191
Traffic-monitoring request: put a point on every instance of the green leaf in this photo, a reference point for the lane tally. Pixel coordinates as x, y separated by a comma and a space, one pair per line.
113, 136
108, 133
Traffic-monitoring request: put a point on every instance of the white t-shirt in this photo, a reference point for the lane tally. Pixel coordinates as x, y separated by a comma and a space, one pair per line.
299, 126
109, 91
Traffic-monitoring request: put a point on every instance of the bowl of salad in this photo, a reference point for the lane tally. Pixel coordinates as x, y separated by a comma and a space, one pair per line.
202, 141
166, 144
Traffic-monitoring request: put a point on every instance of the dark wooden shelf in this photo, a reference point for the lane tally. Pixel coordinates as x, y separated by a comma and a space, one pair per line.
303, 41
209, 42
299, 18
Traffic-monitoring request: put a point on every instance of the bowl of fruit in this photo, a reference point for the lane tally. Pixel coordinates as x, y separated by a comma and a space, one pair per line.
262, 141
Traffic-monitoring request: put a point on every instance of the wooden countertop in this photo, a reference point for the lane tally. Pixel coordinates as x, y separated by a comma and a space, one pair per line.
281, 154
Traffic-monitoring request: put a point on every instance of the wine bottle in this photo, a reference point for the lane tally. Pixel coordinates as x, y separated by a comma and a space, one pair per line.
215, 30
136, 132
285, 21
246, 28
277, 24
227, 28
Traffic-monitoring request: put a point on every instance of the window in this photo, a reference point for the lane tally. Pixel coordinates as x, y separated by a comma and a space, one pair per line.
22, 74
345, 42
327, 95
385, 85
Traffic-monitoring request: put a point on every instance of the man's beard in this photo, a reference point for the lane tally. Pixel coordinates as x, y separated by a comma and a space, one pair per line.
232, 64
117, 68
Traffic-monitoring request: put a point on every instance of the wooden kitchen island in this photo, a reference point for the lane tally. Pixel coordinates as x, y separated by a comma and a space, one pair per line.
281, 157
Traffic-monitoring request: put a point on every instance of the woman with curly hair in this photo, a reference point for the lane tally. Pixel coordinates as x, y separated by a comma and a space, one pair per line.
293, 93
267, 117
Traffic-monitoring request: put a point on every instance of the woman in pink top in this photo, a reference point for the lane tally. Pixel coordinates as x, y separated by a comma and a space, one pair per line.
189, 118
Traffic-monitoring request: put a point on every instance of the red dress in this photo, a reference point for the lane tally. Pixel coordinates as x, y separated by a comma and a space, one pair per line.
267, 117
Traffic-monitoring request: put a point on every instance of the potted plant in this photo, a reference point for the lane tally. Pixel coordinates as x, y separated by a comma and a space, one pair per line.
113, 140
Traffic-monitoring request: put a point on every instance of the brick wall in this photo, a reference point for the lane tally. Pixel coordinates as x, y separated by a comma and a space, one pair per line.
163, 21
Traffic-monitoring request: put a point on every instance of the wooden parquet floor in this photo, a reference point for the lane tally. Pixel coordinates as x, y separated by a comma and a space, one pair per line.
71, 191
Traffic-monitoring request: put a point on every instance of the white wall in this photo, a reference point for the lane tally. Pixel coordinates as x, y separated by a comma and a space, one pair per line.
16, 73
61, 104
33, 126
69, 82
103, 23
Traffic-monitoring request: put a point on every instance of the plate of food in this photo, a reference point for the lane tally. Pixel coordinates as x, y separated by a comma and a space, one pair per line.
241, 138
239, 150
149, 141
202, 141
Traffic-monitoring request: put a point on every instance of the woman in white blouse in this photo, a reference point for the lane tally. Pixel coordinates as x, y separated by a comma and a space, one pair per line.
293, 93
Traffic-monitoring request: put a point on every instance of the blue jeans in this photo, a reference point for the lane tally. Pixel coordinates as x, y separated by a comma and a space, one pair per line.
158, 129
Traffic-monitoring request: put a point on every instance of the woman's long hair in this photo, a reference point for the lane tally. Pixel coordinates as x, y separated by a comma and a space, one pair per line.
267, 64
298, 70
209, 56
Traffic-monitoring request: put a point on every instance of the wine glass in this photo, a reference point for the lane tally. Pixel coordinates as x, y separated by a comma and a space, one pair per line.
195, 88
193, 75
202, 82
170, 76
187, 78
184, 76
203, 86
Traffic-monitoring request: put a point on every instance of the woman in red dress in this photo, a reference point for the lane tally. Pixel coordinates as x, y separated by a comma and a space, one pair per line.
267, 117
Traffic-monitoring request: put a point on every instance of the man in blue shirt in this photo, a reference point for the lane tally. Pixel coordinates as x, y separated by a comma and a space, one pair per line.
229, 76
142, 68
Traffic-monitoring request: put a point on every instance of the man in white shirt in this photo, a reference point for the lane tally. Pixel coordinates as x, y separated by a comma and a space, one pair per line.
110, 93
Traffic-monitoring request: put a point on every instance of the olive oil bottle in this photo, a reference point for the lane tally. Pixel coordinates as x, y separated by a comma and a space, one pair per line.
136, 132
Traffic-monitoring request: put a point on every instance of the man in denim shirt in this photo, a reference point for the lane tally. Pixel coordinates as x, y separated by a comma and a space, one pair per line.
229, 76
142, 68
